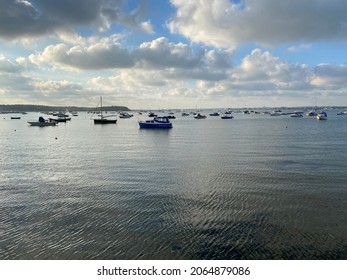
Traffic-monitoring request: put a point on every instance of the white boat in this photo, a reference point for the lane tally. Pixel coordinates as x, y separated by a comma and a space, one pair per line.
275, 114
322, 116
199, 116
296, 115
227, 117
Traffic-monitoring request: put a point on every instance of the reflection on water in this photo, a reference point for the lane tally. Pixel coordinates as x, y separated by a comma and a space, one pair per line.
255, 187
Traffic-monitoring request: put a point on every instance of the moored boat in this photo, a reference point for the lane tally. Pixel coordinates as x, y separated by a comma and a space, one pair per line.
227, 117
104, 119
322, 116
214, 114
311, 114
199, 116
157, 122
42, 122
125, 115
296, 115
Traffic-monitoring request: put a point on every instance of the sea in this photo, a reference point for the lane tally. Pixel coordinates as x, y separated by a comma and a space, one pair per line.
256, 187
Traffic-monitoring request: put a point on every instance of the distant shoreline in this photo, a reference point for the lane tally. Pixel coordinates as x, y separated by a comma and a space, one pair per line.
44, 108
13, 108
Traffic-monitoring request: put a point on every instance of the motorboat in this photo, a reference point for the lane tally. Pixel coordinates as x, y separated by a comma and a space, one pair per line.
152, 115
296, 115
215, 114
199, 116
311, 114
157, 122
322, 116
276, 114
227, 117
125, 115
60, 119
43, 122
184, 114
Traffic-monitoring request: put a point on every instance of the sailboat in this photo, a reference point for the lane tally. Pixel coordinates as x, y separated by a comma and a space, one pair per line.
103, 119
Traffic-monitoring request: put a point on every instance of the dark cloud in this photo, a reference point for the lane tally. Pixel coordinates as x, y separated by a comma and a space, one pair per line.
34, 18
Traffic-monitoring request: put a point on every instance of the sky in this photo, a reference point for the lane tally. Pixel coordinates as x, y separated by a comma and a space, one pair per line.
174, 54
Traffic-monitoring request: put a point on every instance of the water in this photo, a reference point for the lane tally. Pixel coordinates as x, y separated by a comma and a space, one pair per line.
255, 187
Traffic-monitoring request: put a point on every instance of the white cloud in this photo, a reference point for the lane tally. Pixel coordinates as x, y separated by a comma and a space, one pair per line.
299, 47
225, 23
102, 55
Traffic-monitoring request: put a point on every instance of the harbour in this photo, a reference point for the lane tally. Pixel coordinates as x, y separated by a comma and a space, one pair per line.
252, 187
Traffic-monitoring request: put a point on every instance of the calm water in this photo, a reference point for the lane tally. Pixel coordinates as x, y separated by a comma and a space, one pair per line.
255, 187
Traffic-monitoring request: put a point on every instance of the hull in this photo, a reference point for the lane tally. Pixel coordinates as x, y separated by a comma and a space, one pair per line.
104, 121
42, 123
227, 117
59, 120
155, 125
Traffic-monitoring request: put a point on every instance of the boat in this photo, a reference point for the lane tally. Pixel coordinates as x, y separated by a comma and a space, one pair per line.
184, 114
157, 122
322, 116
15, 118
152, 115
199, 116
214, 114
227, 117
311, 114
125, 115
60, 118
296, 115
104, 119
42, 122
275, 114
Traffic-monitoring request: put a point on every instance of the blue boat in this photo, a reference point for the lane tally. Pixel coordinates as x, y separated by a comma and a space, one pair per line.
157, 122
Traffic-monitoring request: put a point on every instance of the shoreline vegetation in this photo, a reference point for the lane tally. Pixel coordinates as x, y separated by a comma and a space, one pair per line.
43, 108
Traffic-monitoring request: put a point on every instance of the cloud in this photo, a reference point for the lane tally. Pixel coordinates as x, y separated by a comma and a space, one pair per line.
161, 53
102, 55
21, 19
177, 61
299, 47
328, 76
8, 66
225, 23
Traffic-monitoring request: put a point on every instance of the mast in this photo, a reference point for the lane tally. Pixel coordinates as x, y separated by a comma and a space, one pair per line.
101, 107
